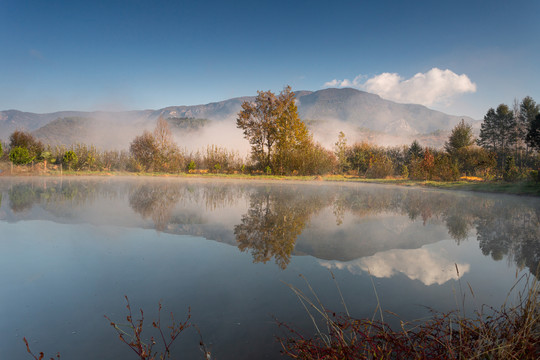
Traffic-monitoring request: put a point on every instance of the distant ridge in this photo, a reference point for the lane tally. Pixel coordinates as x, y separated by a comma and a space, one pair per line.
356, 108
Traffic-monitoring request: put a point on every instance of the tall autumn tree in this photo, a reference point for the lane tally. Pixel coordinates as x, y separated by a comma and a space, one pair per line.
293, 140
257, 119
274, 129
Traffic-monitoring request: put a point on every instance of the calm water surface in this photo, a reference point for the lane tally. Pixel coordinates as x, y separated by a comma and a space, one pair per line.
70, 249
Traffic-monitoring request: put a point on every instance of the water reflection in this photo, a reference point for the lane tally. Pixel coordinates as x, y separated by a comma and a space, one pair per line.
364, 224
276, 217
428, 266
155, 202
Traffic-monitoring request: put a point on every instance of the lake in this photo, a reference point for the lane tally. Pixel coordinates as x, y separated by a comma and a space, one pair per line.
72, 248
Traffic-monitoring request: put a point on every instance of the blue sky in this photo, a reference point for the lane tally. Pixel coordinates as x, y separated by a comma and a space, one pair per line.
141, 54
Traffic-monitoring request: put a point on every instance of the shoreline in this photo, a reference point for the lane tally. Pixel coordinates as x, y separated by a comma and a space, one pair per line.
495, 187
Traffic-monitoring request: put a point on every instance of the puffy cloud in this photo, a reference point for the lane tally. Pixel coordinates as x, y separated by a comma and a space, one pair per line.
433, 87
417, 264
356, 82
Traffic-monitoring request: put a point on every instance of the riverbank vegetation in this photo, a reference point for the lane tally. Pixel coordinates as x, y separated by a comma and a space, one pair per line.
506, 151
511, 332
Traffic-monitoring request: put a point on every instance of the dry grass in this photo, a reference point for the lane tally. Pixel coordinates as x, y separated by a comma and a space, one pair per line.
511, 332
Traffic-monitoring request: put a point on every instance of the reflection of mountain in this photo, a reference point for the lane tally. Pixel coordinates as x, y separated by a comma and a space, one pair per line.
331, 222
422, 264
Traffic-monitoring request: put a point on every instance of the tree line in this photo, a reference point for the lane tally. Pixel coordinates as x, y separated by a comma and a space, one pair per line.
508, 147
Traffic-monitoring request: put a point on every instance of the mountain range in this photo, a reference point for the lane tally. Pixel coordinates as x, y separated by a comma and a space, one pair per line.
361, 115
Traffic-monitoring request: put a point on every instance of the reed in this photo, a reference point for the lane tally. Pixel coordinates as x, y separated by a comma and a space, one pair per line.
511, 332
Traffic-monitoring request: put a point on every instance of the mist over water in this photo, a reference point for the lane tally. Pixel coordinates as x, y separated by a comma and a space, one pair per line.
71, 248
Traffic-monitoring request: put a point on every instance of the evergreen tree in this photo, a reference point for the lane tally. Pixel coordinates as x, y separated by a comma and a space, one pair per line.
497, 132
533, 135
528, 118
415, 150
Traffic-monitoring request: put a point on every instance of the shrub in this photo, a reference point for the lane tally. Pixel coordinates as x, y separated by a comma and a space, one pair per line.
20, 156
380, 166
70, 159
534, 175
404, 172
445, 169
510, 172
25, 140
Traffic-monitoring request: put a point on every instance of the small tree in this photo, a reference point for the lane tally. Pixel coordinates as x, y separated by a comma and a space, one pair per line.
70, 159
415, 151
510, 172
461, 136
25, 140
144, 149
340, 150
428, 164
20, 156
165, 145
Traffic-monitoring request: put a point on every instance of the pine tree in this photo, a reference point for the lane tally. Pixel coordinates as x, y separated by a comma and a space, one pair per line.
533, 135
497, 132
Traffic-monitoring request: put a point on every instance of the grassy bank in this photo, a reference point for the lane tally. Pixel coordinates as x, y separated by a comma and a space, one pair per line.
528, 188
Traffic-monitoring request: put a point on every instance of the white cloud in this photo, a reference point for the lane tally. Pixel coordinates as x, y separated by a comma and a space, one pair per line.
417, 264
433, 87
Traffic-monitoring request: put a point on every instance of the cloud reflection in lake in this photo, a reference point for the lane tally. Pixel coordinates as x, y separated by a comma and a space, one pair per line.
428, 266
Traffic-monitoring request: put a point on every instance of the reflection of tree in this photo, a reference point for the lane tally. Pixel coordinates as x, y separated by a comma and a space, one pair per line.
22, 197
504, 226
52, 195
513, 231
275, 218
155, 201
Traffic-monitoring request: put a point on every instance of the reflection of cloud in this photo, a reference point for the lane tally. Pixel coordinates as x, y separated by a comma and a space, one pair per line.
417, 264
432, 87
